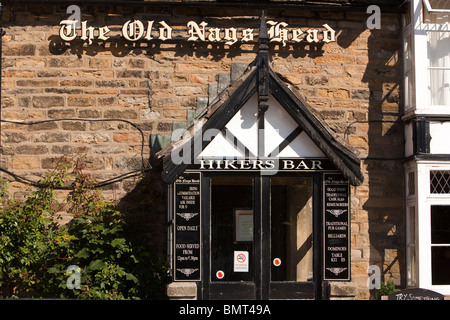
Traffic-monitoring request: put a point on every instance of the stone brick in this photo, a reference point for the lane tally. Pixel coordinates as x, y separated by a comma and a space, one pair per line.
43, 126
335, 59
110, 149
127, 137
52, 137
37, 83
31, 149
65, 62
196, 66
188, 90
28, 62
106, 101
100, 63
61, 113
316, 80
20, 74
164, 127
90, 137
76, 83
10, 49
74, 125
200, 78
62, 149
335, 93
129, 74
110, 83
128, 163
14, 137
81, 101
120, 114
47, 101
25, 163
108, 125
88, 113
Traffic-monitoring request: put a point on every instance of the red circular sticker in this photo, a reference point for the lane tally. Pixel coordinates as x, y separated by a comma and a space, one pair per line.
277, 262
220, 274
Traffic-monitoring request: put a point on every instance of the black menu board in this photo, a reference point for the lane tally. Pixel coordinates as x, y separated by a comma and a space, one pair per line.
336, 224
187, 227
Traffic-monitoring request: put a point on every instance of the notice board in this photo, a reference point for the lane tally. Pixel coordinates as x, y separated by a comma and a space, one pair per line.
187, 208
336, 227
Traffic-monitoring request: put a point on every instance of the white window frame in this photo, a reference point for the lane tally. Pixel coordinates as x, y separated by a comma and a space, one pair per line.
421, 104
411, 234
425, 199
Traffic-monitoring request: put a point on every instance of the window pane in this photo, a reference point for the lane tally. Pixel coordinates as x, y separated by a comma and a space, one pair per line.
439, 181
411, 184
412, 266
231, 200
439, 16
440, 225
440, 86
411, 243
291, 229
440, 259
439, 63
412, 225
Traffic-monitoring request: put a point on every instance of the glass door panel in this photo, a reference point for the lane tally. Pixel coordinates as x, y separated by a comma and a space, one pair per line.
232, 245
291, 229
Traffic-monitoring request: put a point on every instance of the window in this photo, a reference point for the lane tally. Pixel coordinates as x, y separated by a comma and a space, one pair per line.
436, 11
427, 206
439, 67
409, 73
440, 244
411, 246
411, 229
440, 181
411, 183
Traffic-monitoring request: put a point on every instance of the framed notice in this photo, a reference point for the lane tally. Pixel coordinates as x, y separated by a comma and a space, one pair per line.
187, 244
244, 224
336, 228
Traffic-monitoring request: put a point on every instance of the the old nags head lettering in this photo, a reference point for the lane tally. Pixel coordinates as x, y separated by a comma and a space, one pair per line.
137, 30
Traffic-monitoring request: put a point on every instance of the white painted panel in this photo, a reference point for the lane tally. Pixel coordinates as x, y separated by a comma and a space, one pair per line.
302, 147
440, 142
220, 147
278, 125
244, 125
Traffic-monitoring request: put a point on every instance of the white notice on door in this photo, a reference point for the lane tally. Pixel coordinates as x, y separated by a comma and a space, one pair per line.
240, 261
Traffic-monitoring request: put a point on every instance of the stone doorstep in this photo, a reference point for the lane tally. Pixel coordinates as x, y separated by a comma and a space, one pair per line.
182, 291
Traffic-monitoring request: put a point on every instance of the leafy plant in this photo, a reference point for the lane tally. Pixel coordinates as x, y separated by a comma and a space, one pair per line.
386, 289
36, 251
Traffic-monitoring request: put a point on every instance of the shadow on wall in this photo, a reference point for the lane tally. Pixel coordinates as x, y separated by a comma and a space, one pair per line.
384, 161
119, 47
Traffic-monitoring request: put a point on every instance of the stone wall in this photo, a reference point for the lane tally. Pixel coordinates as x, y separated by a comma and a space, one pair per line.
123, 99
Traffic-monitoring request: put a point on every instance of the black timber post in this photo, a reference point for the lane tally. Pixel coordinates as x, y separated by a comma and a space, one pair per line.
263, 81
421, 136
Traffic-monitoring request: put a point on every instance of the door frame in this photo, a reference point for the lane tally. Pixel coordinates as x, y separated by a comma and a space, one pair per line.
261, 288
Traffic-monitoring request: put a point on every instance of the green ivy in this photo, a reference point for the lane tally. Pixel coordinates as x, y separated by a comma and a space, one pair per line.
36, 251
